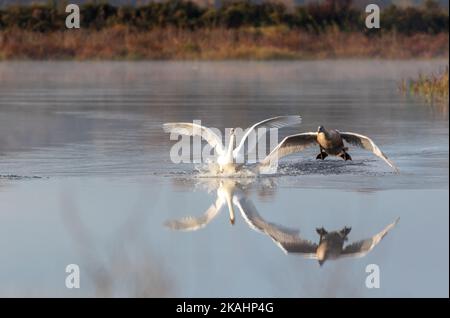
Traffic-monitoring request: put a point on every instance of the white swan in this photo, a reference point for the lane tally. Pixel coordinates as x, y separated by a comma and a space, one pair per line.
227, 158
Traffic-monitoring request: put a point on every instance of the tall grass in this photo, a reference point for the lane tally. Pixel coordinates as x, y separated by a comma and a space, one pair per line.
433, 87
277, 42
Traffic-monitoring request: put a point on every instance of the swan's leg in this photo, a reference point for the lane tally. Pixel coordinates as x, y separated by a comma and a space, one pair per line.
344, 232
322, 232
345, 156
322, 155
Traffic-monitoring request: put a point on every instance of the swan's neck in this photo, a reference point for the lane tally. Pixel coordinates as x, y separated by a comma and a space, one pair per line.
231, 147
325, 133
226, 194
230, 207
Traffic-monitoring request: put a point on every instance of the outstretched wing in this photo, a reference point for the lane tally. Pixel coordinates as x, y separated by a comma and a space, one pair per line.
191, 129
291, 144
275, 122
361, 248
368, 144
287, 239
190, 223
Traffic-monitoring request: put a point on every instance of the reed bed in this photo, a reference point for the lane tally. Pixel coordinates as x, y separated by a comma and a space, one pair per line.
263, 43
433, 87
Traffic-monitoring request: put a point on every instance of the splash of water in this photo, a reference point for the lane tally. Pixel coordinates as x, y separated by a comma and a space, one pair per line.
212, 170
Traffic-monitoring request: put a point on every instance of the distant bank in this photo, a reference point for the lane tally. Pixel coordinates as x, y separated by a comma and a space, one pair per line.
240, 29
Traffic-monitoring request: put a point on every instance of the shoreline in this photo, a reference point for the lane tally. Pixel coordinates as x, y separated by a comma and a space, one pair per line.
249, 60
356, 59
246, 44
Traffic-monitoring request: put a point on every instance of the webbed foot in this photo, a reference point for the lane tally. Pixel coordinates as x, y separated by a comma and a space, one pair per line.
322, 156
345, 231
345, 156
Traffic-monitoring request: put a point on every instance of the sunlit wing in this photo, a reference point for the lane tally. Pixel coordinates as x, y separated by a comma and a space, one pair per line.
366, 143
191, 129
287, 239
275, 122
291, 144
190, 223
361, 248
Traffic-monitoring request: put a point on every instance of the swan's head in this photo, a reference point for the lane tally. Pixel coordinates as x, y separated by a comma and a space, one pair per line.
232, 132
320, 129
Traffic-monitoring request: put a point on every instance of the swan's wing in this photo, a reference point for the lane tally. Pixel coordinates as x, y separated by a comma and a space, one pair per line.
368, 144
275, 122
191, 129
361, 248
291, 144
190, 223
287, 239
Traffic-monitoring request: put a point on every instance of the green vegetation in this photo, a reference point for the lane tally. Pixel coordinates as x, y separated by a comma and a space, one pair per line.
317, 17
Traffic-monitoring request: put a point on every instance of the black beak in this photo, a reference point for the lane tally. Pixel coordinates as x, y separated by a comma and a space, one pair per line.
321, 263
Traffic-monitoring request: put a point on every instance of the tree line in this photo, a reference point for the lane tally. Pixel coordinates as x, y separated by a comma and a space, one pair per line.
314, 17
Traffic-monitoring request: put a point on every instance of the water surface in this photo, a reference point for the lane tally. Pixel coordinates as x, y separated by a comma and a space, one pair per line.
86, 178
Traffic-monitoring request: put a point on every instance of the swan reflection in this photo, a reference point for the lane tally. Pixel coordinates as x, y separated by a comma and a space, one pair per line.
331, 245
229, 192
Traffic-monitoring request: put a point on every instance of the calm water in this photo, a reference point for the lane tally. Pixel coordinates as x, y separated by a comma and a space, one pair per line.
86, 178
